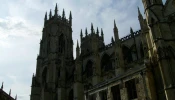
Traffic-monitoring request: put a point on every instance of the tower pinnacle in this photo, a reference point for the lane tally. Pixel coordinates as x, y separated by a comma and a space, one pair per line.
116, 35
77, 50
10, 92
16, 97
45, 18
115, 24
2, 86
140, 15
56, 10
63, 14
50, 14
139, 11
131, 31
102, 35
70, 18
81, 35
86, 32
97, 31
77, 44
92, 28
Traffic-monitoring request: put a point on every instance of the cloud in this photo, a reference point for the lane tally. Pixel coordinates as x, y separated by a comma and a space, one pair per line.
21, 23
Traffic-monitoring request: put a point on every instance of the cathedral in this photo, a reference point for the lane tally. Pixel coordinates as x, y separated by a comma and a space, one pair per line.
139, 66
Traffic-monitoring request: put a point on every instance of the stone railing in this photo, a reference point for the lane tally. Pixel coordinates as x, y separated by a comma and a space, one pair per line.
130, 36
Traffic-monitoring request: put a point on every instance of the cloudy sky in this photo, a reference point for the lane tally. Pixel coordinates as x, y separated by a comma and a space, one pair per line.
21, 23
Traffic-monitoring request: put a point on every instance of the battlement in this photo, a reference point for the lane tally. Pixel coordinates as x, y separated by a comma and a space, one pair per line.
92, 34
57, 18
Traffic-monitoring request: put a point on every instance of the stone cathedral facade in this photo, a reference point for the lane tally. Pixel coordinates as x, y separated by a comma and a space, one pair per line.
139, 66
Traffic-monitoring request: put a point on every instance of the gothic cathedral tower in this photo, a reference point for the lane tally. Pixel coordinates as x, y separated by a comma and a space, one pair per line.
160, 40
55, 56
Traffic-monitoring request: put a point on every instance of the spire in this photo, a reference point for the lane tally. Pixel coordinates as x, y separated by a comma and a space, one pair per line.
10, 92
45, 19
116, 35
2, 86
16, 97
140, 15
70, 18
50, 14
56, 10
115, 24
139, 11
97, 31
92, 29
131, 31
63, 14
86, 32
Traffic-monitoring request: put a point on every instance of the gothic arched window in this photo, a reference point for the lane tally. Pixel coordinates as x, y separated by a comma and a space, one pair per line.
106, 63
48, 47
71, 95
127, 54
44, 75
134, 52
141, 50
61, 46
89, 68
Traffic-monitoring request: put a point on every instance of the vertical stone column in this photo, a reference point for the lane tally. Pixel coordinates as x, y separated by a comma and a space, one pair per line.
123, 92
51, 75
109, 94
96, 69
140, 89
98, 96
61, 93
78, 91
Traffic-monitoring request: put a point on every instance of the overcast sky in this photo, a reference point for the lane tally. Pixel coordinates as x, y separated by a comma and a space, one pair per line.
21, 23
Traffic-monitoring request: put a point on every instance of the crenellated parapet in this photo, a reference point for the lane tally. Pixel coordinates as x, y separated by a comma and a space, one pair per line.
56, 18
92, 34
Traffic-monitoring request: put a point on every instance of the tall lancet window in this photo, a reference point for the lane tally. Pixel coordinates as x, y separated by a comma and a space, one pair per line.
61, 47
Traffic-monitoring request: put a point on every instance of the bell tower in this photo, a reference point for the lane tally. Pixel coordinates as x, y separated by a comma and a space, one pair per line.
56, 49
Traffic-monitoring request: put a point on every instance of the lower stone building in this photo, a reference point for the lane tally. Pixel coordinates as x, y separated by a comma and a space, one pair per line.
139, 66
5, 96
